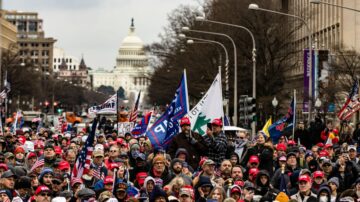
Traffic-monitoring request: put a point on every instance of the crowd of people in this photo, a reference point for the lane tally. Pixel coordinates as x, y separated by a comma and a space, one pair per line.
37, 165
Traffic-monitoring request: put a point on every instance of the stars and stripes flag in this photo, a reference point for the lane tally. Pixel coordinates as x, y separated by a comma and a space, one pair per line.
98, 174
352, 103
82, 164
134, 112
38, 163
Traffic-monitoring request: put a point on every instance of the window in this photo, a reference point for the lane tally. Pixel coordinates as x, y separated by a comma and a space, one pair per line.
32, 26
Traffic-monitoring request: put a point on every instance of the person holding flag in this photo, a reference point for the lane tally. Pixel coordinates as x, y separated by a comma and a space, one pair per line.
192, 142
216, 141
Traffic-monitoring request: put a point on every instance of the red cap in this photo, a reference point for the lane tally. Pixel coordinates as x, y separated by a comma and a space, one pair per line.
328, 146
112, 142
19, 150
254, 159
239, 183
323, 153
108, 180
119, 141
216, 122
291, 142
64, 165
140, 178
318, 173
42, 188
113, 166
185, 121
305, 178
57, 150
281, 147
235, 189
22, 139
335, 131
253, 171
202, 160
31, 155
320, 144
3, 165
75, 180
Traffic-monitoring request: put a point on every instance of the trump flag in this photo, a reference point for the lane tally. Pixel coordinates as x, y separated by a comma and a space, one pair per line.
167, 126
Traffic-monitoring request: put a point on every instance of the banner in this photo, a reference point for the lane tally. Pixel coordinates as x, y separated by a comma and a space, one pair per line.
307, 72
208, 108
284, 124
167, 126
108, 107
125, 127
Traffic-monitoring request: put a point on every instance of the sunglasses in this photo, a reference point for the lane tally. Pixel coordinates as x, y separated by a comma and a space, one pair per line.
112, 151
44, 194
48, 176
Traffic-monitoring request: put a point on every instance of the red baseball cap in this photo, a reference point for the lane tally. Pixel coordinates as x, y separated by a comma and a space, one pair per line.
108, 180
22, 139
184, 121
3, 165
57, 150
320, 144
113, 166
291, 142
216, 122
254, 159
64, 165
31, 155
235, 189
328, 146
42, 188
323, 153
140, 178
253, 171
305, 178
19, 150
318, 173
281, 147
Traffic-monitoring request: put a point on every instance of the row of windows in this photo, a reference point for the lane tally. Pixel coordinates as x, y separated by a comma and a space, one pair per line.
34, 53
141, 81
70, 67
123, 52
66, 60
34, 44
132, 63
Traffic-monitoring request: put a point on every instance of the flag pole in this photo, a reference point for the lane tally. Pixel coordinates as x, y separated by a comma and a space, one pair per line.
187, 97
294, 115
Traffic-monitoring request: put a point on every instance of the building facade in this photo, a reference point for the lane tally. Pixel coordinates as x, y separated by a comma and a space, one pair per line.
34, 47
69, 68
8, 33
132, 71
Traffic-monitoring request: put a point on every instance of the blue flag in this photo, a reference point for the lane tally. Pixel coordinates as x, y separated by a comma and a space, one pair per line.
284, 124
140, 128
167, 126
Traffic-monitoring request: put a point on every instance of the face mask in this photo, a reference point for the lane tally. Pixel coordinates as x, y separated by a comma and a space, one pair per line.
323, 199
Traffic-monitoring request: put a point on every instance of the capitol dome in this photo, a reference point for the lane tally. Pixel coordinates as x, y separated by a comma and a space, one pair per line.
131, 40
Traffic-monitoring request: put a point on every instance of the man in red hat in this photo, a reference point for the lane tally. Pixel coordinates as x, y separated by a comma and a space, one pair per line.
42, 194
304, 194
192, 142
216, 141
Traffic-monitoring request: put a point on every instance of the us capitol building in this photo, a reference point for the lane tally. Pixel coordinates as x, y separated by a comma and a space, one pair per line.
132, 71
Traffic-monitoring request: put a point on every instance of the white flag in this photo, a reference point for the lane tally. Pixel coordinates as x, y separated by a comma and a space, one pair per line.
208, 108
108, 107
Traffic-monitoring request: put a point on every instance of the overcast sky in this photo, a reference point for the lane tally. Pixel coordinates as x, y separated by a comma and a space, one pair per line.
95, 28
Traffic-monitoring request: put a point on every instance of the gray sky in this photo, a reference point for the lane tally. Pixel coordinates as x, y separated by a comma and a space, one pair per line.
96, 28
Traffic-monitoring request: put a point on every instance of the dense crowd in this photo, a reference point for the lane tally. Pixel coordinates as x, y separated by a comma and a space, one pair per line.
37, 165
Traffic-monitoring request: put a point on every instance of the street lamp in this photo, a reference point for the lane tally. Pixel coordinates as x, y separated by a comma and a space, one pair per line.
274, 103
202, 19
257, 8
318, 103
191, 41
330, 4
187, 29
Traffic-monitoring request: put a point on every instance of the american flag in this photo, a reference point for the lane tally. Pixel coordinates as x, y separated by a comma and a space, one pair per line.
352, 103
38, 163
96, 173
82, 165
134, 112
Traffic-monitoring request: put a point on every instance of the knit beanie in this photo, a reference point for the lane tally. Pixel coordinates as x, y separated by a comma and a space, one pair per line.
158, 158
282, 197
334, 180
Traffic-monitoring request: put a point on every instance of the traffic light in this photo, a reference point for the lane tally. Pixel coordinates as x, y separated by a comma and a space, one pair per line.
247, 108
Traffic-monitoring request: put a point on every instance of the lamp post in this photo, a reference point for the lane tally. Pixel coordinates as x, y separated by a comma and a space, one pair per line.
330, 4
226, 64
309, 66
202, 19
187, 29
275, 103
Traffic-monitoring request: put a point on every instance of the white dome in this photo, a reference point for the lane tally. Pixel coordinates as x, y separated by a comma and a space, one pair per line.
132, 41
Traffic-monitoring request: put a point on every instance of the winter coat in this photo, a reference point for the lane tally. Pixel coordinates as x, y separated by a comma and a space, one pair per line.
195, 149
304, 136
289, 177
265, 154
350, 175
311, 198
